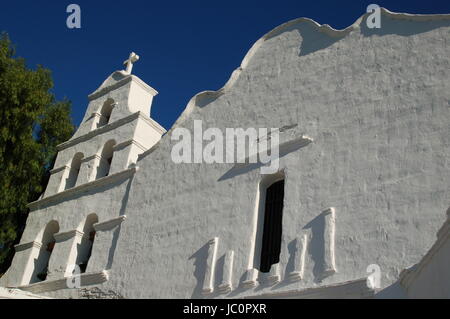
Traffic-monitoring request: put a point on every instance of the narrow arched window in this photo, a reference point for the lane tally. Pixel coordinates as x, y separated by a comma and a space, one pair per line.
105, 113
106, 159
272, 230
74, 171
48, 244
84, 248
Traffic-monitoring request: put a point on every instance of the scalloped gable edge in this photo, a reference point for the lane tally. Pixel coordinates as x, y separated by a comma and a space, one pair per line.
195, 101
210, 96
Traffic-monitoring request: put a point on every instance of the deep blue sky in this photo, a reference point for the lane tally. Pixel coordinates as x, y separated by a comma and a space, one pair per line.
185, 46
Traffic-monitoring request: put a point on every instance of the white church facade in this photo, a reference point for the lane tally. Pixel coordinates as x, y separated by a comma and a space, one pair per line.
361, 190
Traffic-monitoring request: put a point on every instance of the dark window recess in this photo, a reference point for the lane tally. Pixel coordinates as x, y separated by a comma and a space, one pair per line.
273, 214
42, 276
51, 246
109, 160
107, 117
83, 267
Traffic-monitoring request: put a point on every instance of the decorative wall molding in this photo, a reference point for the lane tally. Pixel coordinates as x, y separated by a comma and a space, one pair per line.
295, 143
101, 130
6, 293
82, 188
350, 289
290, 144
59, 169
127, 143
60, 237
208, 283
226, 285
86, 279
149, 151
95, 114
25, 246
329, 242
110, 224
301, 244
155, 125
104, 89
90, 158
274, 276
251, 278
110, 127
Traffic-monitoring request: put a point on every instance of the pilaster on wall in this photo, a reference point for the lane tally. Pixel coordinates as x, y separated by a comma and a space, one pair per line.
64, 254
274, 275
125, 155
251, 278
227, 273
208, 283
106, 236
94, 119
88, 169
21, 270
57, 180
96, 116
329, 242
299, 258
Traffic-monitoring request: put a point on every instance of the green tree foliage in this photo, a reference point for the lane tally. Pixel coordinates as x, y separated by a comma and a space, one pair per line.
32, 123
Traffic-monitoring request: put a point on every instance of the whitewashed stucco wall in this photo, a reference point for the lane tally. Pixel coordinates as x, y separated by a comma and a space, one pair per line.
375, 103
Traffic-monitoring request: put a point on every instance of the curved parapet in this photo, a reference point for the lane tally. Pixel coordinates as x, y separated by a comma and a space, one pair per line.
204, 98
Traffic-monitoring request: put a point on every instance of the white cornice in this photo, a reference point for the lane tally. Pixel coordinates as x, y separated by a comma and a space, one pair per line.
60, 237
82, 188
110, 127
25, 246
144, 85
86, 279
6, 293
98, 131
59, 169
127, 143
106, 88
110, 224
149, 151
289, 145
350, 289
83, 160
152, 123
90, 158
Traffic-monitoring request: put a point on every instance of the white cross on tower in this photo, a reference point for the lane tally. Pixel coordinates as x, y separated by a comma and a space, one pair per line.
129, 63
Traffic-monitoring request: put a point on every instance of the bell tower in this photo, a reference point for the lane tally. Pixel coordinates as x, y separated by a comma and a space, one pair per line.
116, 128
